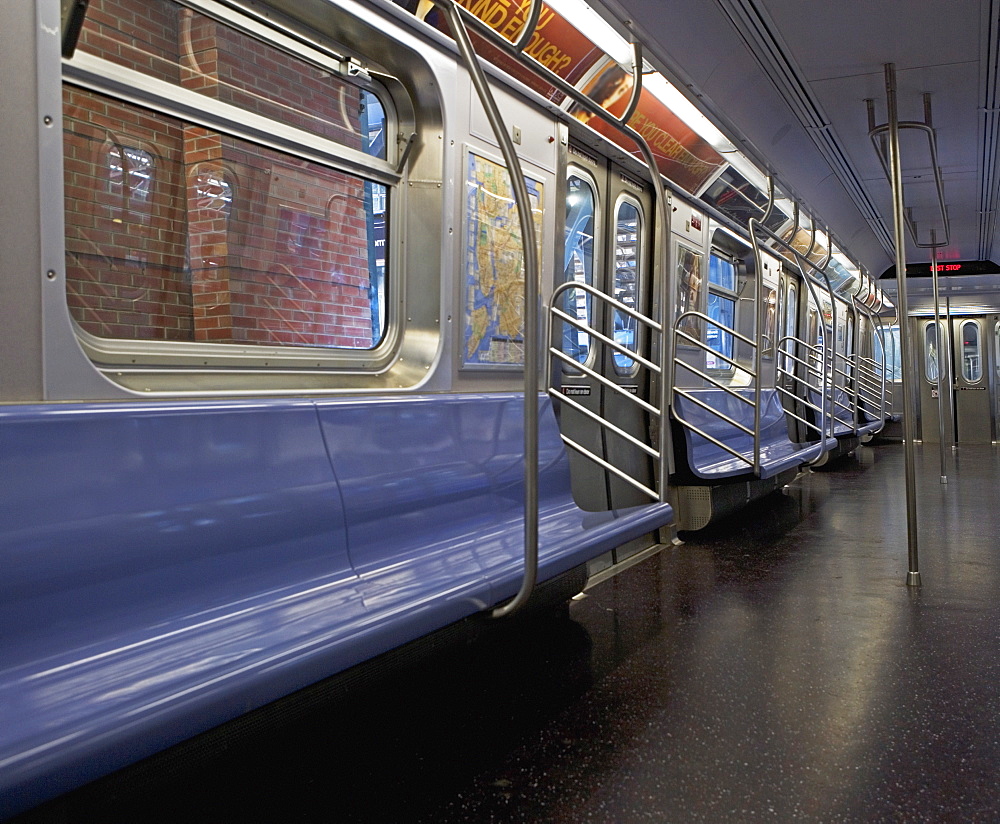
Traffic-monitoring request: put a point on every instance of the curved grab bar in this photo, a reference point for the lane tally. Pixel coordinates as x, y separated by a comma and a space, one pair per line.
530, 252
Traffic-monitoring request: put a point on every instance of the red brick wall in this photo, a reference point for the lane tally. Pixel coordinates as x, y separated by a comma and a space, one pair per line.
125, 260
285, 262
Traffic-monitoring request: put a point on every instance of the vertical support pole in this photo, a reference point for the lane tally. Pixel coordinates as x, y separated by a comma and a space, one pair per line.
531, 288
948, 376
944, 384
909, 408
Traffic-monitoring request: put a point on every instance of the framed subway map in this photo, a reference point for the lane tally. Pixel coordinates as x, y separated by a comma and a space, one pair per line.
494, 264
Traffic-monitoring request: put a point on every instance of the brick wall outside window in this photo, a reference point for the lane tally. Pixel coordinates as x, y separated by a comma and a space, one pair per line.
219, 239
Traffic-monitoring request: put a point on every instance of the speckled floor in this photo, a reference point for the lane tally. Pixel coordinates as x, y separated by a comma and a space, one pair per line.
776, 668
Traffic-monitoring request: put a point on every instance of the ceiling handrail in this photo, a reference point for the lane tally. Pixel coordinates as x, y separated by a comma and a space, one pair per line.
879, 137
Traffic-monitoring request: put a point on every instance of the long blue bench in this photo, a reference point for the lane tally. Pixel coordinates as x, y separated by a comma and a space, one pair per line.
707, 461
843, 423
167, 567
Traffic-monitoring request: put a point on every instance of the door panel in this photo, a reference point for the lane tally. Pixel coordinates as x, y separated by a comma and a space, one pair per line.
608, 245
972, 388
973, 405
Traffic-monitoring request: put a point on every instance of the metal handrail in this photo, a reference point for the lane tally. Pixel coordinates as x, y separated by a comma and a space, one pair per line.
614, 470
871, 390
865, 381
800, 382
787, 393
880, 374
878, 136
614, 303
531, 287
597, 376
555, 313
663, 211
754, 433
811, 274
693, 313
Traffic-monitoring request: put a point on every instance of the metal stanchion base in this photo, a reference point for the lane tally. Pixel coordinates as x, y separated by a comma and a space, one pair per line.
913, 579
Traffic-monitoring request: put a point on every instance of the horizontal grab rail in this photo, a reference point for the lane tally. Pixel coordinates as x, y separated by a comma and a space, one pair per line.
556, 355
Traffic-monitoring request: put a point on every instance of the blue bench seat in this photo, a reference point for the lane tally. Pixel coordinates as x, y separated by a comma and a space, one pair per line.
168, 567
709, 462
843, 424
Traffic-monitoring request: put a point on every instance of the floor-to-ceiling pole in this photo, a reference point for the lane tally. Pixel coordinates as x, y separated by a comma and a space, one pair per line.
943, 382
909, 408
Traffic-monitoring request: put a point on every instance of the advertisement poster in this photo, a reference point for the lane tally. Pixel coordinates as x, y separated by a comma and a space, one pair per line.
681, 155
555, 43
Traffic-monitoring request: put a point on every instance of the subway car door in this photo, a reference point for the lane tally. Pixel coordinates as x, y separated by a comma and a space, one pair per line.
973, 378
973, 385
608, 239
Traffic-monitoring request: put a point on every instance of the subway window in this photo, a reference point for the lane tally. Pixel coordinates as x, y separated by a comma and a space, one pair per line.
688, 266
184, 232
972, 356
628, 239
789, 327
887, 357
791, 309
996, 348
849, 348
932, 348
578, 264
770, 322
721, 308
814, 338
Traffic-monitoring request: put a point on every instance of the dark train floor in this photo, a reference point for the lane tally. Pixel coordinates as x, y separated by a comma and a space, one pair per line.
774, 668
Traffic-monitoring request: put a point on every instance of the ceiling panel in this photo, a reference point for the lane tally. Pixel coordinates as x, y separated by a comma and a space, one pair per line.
792, 77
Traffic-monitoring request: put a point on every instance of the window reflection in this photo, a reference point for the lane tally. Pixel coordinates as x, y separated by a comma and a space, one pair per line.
578, 265
931, 346
972, 362
627, 231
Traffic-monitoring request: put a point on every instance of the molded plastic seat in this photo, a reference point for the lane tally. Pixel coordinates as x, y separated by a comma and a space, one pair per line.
167, 568
710, 462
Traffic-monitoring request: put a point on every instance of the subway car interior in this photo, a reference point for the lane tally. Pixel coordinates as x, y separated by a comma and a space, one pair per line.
499, 411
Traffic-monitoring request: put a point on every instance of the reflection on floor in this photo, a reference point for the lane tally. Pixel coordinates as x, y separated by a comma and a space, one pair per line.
775, 667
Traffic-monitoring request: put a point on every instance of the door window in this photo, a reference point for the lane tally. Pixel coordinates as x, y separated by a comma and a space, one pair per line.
628, 231
888, 354
932, 347
996, 347
578, 265
972, 359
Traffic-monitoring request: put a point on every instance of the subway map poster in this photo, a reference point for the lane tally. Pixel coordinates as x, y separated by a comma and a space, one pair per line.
494, 264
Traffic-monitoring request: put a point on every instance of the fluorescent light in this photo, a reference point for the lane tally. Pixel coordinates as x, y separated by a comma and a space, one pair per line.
668, 94
595, 28
845, 261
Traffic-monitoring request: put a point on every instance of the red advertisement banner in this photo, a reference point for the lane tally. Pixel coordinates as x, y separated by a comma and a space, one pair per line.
555, 43
681, 154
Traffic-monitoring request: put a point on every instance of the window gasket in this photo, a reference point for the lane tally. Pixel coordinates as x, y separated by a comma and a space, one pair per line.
728, 294
103, 77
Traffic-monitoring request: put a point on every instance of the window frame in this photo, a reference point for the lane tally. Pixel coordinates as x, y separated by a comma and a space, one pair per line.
724, 293
978, 353
577, 171
929, 328
129, 86
632, 368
